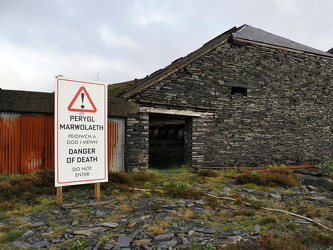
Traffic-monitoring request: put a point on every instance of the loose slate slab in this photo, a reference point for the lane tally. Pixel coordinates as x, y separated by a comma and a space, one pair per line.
40, 244
38, 224
90, 231
123, 242
211, 230
316, 181
256, 228
164, 237
109, 224
19, 243
28, 233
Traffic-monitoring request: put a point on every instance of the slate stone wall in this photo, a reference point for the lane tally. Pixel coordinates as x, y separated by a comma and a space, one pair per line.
188, 141
284, 116
137, 142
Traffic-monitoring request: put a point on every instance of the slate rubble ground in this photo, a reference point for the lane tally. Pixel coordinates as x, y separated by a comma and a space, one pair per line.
89, 221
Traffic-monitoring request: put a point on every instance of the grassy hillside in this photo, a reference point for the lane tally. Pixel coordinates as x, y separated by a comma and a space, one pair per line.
117, 88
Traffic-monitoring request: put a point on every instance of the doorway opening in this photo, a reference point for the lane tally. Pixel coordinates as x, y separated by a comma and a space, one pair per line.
167, 136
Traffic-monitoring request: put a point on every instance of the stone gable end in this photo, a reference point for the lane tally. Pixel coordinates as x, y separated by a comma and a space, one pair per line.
269, 106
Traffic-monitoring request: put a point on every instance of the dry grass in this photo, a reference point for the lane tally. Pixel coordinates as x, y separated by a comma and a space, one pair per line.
208, 173
184, 193
268, 220
269, 242
27, 187
310, 212
155, 229
125, 208
323, 238
121, 198
276, 177
212, 202
9, 235
158, 227
223, 214
164, 223
244, 212
183, 214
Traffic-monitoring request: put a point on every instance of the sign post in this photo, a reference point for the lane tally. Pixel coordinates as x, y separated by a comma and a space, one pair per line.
80, 133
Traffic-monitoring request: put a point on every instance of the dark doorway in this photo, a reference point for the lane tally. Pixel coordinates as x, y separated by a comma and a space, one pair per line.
166, 141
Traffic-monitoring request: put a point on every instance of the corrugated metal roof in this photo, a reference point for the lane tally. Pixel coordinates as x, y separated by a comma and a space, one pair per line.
250, 33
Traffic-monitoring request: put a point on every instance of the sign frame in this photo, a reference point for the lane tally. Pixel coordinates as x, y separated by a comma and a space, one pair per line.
80, 132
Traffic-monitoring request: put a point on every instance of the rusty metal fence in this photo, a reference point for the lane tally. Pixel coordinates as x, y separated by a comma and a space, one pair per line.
27, 143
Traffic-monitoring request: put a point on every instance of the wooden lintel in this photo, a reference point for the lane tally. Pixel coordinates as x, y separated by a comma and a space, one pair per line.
175, 112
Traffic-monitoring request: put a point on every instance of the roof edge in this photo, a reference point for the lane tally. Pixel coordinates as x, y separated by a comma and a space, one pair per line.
282, 47
178, 64
257, 36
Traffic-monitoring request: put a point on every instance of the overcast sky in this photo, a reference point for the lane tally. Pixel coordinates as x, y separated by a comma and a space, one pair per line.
118, 40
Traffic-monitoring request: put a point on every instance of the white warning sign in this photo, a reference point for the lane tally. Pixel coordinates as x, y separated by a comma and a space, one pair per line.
80, 132
82, 102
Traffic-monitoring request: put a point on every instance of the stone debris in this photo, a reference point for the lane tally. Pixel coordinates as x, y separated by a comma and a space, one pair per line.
185, 219
109, 224
123, 242
164, 237
256, 228
276, 196
41, 244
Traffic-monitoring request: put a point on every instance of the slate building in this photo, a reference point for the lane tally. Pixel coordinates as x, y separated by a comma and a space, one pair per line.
247, 97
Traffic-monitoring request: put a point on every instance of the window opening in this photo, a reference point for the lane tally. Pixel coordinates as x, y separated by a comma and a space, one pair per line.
239, 91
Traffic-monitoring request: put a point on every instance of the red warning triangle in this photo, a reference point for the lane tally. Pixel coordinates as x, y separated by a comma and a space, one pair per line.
80, 105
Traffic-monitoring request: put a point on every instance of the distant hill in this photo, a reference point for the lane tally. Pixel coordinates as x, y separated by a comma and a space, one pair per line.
116, 88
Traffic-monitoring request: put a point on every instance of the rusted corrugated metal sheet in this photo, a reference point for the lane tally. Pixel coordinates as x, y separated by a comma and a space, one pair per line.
27, 142
9, 143
37, 147
116, 141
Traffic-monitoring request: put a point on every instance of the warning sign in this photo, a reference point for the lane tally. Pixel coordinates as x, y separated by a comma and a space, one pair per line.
82, 102
80, 132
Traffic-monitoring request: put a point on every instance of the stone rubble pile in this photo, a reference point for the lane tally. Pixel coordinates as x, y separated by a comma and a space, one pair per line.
107, 225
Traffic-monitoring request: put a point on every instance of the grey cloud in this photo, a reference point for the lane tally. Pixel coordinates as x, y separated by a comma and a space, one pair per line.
123, 40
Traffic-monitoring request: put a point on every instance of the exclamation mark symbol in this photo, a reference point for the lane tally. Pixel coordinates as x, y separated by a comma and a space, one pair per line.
82, 98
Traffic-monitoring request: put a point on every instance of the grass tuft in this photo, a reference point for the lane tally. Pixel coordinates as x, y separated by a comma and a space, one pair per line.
208, 173
276, 177
27, 187
155, 229
269, 242
119, 178
244, 212
268, 220
10, 236
315, 236
310, 212
175, 191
